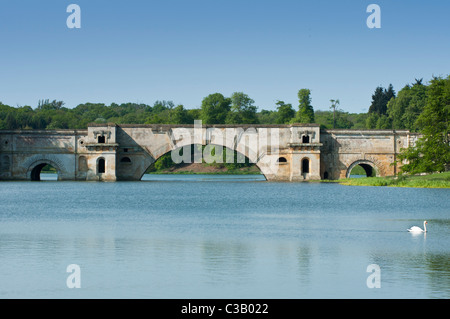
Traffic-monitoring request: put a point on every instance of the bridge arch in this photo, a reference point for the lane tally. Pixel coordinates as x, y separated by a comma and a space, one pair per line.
240, 156
34, 170
369, 167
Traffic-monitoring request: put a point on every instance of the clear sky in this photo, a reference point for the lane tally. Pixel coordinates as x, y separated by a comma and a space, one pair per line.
142, 51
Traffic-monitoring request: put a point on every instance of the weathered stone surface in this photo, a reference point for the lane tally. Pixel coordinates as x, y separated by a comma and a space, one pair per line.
282, 152
344, 149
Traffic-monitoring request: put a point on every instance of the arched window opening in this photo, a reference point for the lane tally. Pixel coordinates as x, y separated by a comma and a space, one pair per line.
101, 167
305, 139
305, 166
125, 160
282, 160
101, 140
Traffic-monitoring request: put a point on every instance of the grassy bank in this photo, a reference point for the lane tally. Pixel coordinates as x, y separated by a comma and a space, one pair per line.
205, 169
438, 180
230, 172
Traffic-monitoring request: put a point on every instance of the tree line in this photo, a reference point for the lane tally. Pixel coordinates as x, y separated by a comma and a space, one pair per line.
239, 108
418, 107
388, 110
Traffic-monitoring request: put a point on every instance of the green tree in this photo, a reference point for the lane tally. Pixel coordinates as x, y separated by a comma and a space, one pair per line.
164, 162
24, 116
432, 151
47, 105
339, 119
380, 99
404, 110
389, 94
371, 121
377, 105
156, 118
215, 108
39, 121
305, 113
194, 114
268, 117
383, 123
10, 121
243, 110
160, 106
358, 120
285, 113
343, 120
179, 115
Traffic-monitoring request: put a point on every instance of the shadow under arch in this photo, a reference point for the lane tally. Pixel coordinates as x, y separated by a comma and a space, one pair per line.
239, 159
35, 169
369, 167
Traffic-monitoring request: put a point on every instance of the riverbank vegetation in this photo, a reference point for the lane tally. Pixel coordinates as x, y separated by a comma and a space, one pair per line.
206, 169
437, 180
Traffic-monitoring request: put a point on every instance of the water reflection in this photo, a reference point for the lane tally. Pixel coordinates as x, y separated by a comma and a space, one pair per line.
49, 177
225, 262
304, 256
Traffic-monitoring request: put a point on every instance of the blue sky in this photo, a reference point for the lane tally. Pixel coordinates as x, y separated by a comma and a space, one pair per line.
142, 51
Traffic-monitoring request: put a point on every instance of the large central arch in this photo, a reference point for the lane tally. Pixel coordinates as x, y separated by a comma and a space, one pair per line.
259, 145
240, 157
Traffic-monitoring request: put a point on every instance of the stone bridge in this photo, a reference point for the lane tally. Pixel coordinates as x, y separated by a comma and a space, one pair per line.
110, 152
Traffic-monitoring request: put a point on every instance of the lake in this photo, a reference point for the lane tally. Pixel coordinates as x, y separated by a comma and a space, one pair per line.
220, 236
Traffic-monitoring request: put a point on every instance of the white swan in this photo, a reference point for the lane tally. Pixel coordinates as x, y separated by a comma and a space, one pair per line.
416, 229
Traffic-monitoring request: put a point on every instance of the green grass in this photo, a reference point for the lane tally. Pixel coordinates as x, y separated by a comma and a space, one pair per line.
238, 171
358, 170
230, 172
47, 169
438, 180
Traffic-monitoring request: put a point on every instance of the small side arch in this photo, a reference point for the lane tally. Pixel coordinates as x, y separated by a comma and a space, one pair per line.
369, 167
34, 171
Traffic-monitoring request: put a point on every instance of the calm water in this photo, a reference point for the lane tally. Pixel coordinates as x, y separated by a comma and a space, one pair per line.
221, 237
